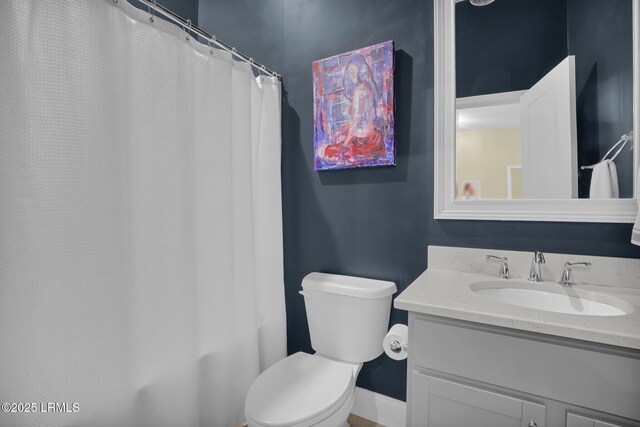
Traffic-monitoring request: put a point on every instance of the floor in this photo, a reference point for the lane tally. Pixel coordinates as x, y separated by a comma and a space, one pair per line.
356, 421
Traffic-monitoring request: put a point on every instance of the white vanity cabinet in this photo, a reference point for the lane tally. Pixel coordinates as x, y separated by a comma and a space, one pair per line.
469, 374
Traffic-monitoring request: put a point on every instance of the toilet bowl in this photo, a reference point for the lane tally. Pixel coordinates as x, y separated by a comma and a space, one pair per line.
302, 390
348, 318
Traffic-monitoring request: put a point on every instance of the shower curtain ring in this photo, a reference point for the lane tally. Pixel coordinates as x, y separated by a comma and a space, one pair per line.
210, 47
186, 31
152, 10
253, 64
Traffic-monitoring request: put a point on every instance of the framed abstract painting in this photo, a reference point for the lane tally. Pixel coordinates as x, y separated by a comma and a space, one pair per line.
354, 109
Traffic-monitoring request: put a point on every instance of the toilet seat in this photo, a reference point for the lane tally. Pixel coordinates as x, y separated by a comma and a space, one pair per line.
301, 389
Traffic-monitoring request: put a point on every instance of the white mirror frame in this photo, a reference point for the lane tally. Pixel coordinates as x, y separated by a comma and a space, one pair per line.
570, 210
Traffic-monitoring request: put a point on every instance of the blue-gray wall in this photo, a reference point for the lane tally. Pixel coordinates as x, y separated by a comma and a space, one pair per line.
370, 222
187, 9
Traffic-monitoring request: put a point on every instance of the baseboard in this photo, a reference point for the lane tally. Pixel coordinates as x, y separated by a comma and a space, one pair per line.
379, 408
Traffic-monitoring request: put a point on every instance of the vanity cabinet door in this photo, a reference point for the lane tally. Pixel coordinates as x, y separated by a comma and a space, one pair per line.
439, 403
574, 420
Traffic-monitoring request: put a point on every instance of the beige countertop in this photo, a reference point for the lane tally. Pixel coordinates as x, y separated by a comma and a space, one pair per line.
448, 293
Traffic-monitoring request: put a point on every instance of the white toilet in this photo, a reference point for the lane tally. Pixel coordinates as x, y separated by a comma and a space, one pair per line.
348, 318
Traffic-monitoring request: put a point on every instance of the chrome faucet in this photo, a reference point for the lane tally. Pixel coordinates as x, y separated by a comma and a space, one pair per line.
535, 275
567, 276
504, 267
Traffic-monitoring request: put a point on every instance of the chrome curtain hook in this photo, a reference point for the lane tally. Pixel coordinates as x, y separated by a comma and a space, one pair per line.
212, 41
152, 11
186, 31
253, 65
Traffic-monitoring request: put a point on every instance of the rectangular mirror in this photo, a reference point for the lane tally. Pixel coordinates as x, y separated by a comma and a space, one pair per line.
536, 102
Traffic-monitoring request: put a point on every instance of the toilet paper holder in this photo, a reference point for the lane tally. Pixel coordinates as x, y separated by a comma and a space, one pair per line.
395, 343
396, 346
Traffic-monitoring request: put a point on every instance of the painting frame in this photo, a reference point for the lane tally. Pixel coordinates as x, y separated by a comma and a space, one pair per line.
354, 109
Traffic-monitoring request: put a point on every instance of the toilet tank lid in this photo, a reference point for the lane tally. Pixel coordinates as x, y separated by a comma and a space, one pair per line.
348, 285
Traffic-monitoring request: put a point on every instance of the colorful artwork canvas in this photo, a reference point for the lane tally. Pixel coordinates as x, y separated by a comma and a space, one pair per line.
354, 109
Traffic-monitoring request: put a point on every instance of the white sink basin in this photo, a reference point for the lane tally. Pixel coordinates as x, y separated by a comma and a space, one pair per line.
556, 302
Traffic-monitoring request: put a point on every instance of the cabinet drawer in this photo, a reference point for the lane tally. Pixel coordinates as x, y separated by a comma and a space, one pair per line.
440, 403
574, 420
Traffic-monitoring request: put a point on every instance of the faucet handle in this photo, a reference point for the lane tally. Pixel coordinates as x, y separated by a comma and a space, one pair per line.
567, 275
504, 266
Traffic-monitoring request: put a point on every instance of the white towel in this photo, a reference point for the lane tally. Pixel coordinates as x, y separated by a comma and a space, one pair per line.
604, 181
635, 233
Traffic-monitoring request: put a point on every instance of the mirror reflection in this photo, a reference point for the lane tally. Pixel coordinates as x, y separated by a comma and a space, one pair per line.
544, 106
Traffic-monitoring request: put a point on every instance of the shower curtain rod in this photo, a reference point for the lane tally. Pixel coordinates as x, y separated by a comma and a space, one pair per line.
188, 26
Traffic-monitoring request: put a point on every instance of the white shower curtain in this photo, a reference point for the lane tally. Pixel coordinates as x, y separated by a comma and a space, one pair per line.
141, 268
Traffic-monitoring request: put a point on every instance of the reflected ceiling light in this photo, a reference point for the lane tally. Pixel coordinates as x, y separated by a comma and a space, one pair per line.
480, 2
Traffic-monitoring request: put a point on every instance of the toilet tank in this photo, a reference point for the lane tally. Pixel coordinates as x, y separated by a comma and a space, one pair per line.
348, 316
